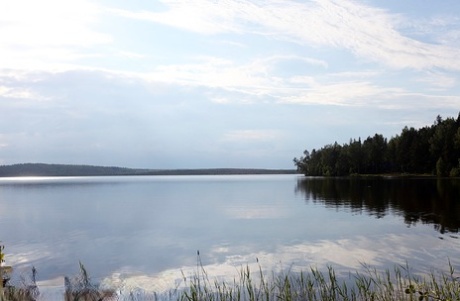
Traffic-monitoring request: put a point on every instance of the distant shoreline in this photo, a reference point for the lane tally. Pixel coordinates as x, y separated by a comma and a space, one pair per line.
68, 170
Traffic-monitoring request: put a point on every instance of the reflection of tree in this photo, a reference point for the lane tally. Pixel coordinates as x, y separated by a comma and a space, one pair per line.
425, 200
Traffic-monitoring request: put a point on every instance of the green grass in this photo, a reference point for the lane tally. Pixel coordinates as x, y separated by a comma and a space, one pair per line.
370, 284
311, 284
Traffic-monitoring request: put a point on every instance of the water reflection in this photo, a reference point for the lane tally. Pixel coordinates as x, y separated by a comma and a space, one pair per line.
143, 232
344, 255
418, 200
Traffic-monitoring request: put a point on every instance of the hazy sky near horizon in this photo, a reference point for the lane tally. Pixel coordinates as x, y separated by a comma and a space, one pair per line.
218, 83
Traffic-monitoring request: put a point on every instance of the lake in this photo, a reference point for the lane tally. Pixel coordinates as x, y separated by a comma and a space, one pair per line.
144, 232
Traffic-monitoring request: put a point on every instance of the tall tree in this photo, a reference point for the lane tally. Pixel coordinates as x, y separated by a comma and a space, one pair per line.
442, 145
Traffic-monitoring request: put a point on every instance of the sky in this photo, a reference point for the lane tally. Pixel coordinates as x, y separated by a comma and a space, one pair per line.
218, 83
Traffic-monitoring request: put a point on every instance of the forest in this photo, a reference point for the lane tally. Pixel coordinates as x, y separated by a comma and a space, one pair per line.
431, 150
62, 170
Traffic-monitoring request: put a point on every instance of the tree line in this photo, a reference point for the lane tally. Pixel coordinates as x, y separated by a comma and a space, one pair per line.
433, 150
52, 170
42, 169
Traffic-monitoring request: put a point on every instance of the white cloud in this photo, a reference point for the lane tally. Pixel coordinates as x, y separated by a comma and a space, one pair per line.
3, 142
255, 78
201, 16
19, 93
341, 93
431, 102
130, 55
442, 29
49, 22
438, 81
39, 34
368, 32
358, 74
251, 135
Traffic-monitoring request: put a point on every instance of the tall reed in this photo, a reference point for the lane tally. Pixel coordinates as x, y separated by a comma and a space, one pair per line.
315, 285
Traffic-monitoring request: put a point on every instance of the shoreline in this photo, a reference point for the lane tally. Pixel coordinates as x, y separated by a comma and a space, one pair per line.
64, 170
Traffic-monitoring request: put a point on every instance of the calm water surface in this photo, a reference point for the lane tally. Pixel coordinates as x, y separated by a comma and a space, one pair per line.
145, 231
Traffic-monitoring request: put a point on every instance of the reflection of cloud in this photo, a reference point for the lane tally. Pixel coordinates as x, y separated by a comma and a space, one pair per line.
421, 252
254, 212
36, 253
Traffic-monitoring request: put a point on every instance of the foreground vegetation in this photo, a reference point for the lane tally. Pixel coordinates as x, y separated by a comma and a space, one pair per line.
370, 284
433, 150
315, 285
